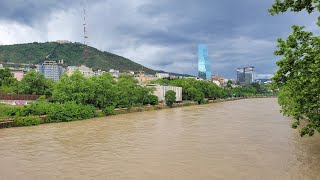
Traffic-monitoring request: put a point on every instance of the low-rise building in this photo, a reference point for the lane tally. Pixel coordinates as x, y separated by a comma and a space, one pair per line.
145, 78
86, 71
71, 69
162, 75
218, 78
18, 73
98, 72
114, 73
160, 91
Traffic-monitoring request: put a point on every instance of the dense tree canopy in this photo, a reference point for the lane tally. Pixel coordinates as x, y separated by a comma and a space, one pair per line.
35, 83
7, 81
101, 91
298, 76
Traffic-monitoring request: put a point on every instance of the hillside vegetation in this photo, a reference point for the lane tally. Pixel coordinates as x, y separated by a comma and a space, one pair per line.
71, 53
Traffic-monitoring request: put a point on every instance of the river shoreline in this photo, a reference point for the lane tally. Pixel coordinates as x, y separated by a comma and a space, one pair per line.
9, 123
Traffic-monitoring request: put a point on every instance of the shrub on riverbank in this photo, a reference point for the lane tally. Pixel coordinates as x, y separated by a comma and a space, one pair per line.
7, 110
56, 112
27, 121
109, 110
151, 99
70, 111
170, 98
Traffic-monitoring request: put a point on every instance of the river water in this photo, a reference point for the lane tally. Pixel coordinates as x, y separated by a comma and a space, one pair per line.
244, 139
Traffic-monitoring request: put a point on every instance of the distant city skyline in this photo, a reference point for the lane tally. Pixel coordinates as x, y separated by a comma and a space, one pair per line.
161, 35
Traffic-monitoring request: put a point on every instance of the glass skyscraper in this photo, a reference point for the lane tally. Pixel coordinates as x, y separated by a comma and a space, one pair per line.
203, 62
245, 75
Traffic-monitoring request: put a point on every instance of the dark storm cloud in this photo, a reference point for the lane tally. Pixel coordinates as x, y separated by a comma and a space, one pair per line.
164, 34
28, 11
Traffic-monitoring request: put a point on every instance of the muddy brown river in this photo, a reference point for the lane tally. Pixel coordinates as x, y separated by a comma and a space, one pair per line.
244, 139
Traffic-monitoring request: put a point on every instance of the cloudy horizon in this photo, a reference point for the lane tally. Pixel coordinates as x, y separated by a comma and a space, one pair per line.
160, 35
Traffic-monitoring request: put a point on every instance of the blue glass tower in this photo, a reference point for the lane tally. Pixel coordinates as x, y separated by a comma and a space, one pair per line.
203, 62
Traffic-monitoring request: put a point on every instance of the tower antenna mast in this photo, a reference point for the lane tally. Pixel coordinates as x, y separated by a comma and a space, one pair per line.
85, 37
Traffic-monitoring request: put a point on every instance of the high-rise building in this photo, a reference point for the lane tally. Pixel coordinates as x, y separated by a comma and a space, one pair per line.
203, 62
51, 70
245, 75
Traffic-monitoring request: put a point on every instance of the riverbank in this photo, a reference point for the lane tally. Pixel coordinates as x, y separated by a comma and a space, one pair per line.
10, 121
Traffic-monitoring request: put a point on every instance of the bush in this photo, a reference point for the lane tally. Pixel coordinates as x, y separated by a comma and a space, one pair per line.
153, 99
37, 108
26, 121
170, 98
109, 110
8, 110
70, 111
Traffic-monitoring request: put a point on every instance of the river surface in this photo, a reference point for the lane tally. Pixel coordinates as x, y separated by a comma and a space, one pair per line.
244, 139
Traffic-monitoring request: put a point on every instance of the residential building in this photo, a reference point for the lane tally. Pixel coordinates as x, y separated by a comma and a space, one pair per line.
86, 71
160, 91
51, 70
18, 73
71, 69
245, 75
114, 73
219, 80
99, 72
144, 78
162, 75
203, 62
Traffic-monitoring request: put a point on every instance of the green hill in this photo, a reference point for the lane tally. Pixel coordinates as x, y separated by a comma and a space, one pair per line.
71, 53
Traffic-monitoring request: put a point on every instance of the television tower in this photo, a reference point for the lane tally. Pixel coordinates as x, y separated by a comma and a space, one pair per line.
85, 36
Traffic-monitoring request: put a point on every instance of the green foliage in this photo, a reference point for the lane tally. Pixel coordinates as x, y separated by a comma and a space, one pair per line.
35, 83
6, 78
170, 98
69, 111
151, 99
298, 77
26, 121
104, 90
74, 88
195, 90
129, 93
109, 110
299, 69
8, 110
71, 53
295, 6
7, 81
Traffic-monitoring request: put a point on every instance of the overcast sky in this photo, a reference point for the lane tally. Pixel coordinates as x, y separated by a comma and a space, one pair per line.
159, 34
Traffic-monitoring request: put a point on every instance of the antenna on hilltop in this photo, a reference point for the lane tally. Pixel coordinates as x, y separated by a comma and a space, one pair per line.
85, 36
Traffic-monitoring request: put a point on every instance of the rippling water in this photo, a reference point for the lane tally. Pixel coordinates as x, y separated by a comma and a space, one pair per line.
244, 139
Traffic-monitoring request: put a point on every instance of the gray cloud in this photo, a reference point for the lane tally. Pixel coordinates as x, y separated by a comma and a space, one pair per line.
159, 34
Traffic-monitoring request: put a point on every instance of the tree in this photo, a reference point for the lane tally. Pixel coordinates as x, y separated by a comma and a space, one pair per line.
35, 83
127, 91
299, 69
295, 6
6, 78
170, 98
75, 88
104, 90
7, 81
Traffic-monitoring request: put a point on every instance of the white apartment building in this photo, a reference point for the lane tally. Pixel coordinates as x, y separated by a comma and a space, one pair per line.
160, 91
